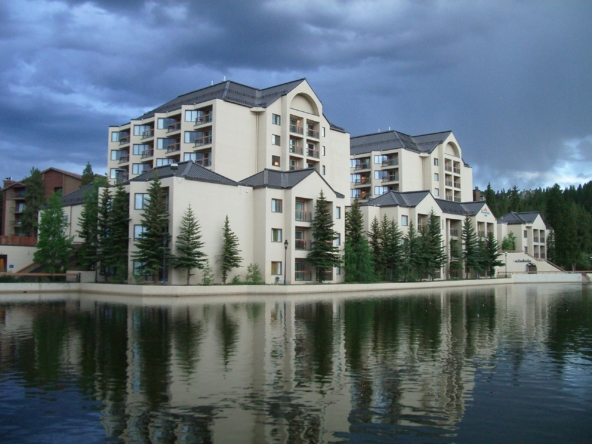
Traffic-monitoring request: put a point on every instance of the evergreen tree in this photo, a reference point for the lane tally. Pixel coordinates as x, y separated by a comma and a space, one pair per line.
491, 201
393, 251
470, 251
515, 200
189, 244
53, 246
432, 255
376, 247
153, 242
87, 175
411, 254
34, 198
230, 253
491, 255
551, 247
481, 262
89, 226
104, 233
357, 255
324, 255
455, 263
254, 275
509, 242
119, 235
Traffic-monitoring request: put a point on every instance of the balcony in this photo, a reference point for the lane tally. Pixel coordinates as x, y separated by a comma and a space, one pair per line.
454, 233
448, 183
148, 134
390, 162
296, 149
124, 139
301, 244
173, 127
456, 170
312, 153
448, 168
206, 140
147, 153
362, 166
206, 118
390, 178
312, 133
296, 167
457, 199
124, 159
173, 148
303, 216
457, 185
203, 162
296, 129
542, 240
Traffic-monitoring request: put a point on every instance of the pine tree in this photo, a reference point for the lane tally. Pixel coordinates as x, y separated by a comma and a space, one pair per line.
491, 255
455, 264
509, 242
357, 255
88, 223
471, 250
411, 254
53, 246
189, 244
34, 199
376, 247
324, 255
230, 257
393, 251
104, 233
87, 175
119, 235
152, 245
491, 200
432, 255
515, 199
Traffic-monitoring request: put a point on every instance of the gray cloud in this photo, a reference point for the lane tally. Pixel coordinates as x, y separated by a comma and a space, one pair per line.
510, 78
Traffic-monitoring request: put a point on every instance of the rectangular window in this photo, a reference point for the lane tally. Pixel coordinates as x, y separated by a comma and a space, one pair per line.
139, 130
436, 177
338, 270
139, 168
275, 161
379, 174
323, 150
436, 191
163, 162
323, 169
378, 159
276, 235
113, 173
337, 240
276, 205
115, 136
138, 230
352, 163
141, 200
525, 234
276, 119
116, 154
380, 190
275, 140
190, 136
404, 221
276, 268
140, 148
323, 131
190, 115
163, 144
337, 212
162, 123
435, 161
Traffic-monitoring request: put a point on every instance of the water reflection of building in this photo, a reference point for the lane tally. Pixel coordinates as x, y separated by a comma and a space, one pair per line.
277, 369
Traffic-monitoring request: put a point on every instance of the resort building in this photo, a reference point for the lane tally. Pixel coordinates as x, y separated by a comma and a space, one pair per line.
393, 161
529, 229
13, 196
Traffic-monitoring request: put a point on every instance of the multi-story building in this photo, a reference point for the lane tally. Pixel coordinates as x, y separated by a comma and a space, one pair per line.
13, 195
530, 232
393, 161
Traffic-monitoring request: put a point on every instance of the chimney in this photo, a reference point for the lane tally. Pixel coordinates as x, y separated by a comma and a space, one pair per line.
7, 182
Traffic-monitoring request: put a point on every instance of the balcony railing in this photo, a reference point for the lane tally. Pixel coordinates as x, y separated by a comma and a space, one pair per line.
147, 153
457, 199
124, 140
448, 168
173, 148
303, 216
206, 118
535, 238
147, 134
206, 140
123, 159
173, 127
450, 198
456, 170
454, 232
390, 178
300, 244
362, 166
448, 183
312, 153
312, 133
295, 149
390, 162
296, 129
456, 185
204, 162
304, 276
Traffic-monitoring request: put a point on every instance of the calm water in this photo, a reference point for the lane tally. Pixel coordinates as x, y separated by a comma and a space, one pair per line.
506, 364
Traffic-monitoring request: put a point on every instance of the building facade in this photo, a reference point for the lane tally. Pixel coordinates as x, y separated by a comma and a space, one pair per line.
530, 232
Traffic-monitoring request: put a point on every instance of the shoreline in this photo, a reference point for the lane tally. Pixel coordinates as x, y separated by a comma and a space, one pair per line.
196, 291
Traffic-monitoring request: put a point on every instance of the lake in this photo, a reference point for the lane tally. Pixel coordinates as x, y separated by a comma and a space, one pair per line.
488, 364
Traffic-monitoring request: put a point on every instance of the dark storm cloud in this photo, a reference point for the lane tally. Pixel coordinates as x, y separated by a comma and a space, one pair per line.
510, 78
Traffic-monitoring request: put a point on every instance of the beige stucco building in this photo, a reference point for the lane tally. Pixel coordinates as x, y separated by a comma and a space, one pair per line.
529, 229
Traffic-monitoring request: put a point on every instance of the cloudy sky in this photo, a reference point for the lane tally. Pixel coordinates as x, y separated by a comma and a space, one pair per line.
511, 78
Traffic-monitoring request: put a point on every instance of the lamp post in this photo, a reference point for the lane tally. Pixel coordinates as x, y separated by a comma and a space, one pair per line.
164, 240
506, 255
285, 259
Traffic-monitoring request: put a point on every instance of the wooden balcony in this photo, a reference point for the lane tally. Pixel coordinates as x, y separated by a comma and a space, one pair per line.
124, 140
362, 166
312, 153
205, 118
390, 179
147, 153
312, 133
124, 159
172, 127
301, 244
296, 149
173, 148
206, 140
390, 162
148, 134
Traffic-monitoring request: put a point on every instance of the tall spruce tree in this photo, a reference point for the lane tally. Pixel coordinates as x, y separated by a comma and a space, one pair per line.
119, 235
53, 246
324, 255
393, 252
230, 257
492, 254
376, 247
34, 199
104, 233
454, 261
490, 200
189, 245
411, 254
89, 229
87, 175
470, 246
432, 255
153, 243
358, 264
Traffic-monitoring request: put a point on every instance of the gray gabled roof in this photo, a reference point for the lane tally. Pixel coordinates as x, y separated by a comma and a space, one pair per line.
282, 179
513, 218
77, 197
391, 140
398, 199
188, 170
460, 208
228, 91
